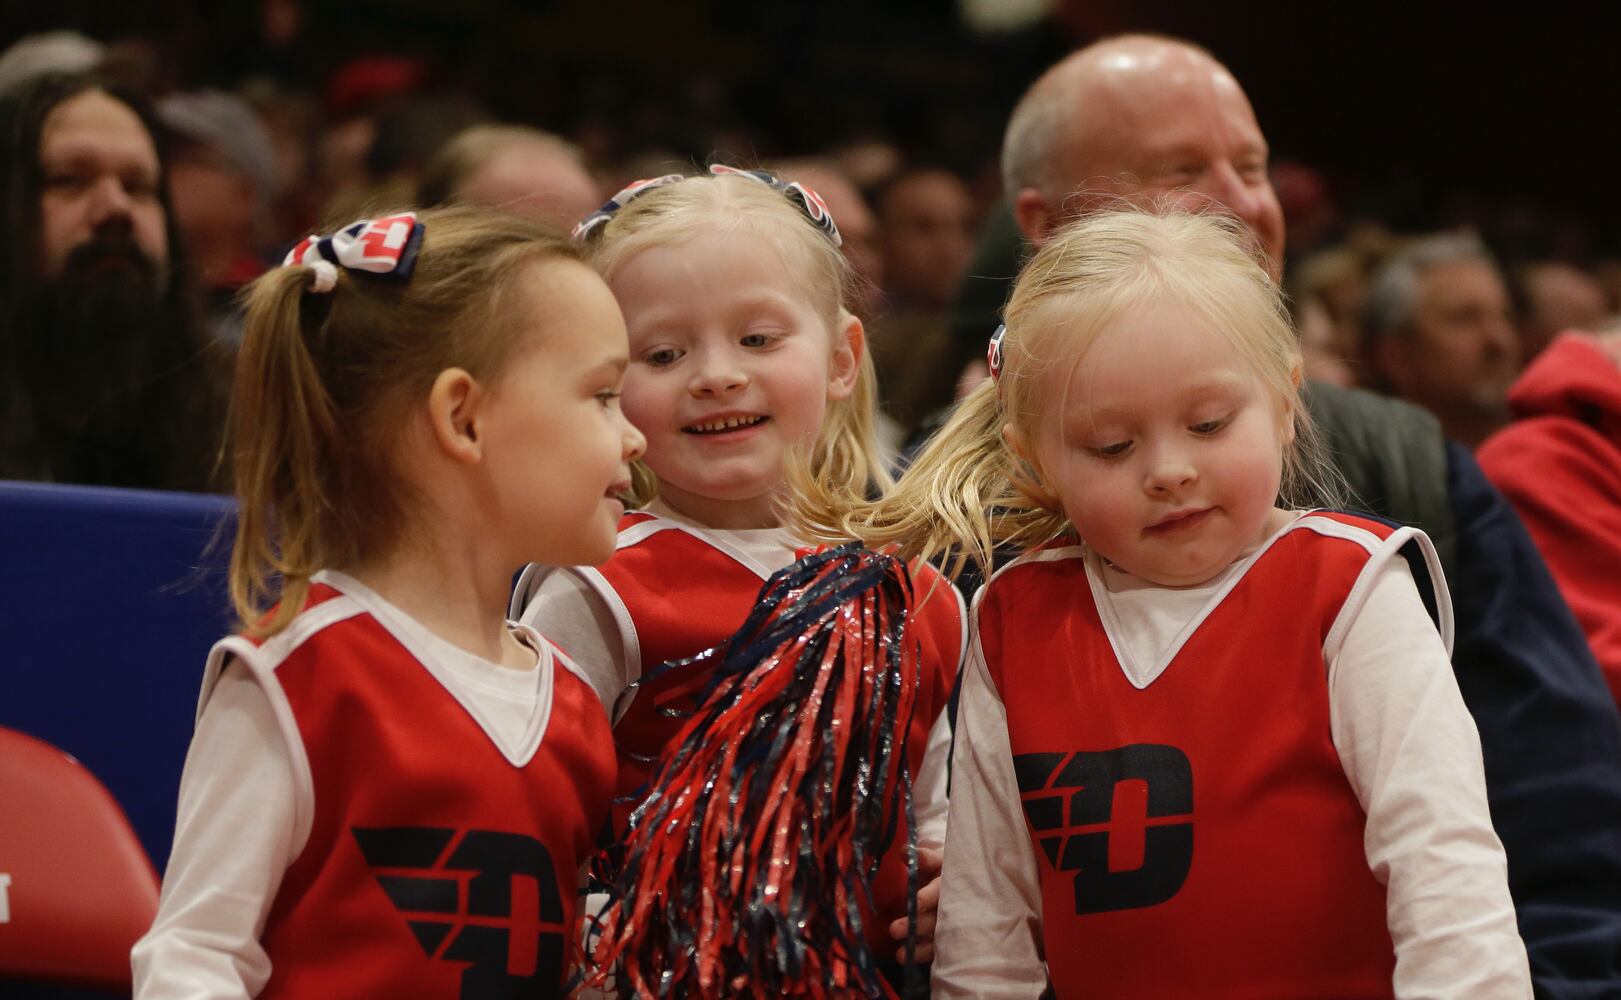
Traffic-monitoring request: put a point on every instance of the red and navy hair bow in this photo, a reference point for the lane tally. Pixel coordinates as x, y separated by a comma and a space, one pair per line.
804, 198
807, 200
591, 223
386, 247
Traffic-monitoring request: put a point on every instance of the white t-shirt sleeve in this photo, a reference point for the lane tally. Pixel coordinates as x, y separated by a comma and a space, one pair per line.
1411, 752
932, 781
988, 940
929, 800
569, 611
234, 838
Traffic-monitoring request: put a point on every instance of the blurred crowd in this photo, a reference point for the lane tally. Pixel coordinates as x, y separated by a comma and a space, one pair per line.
252, 137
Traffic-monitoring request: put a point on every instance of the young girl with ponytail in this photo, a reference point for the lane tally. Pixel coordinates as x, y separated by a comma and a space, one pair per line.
391, 787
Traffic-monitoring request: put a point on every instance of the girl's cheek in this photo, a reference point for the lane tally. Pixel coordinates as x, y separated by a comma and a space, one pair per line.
640, 404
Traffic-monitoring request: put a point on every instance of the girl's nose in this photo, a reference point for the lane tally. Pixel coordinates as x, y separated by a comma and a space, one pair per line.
718, 375
632, 441
1169, 472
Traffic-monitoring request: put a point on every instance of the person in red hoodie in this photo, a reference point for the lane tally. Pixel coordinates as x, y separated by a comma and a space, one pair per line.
1559, 464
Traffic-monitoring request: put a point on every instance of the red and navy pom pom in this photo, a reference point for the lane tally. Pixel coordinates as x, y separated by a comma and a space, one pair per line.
747, 867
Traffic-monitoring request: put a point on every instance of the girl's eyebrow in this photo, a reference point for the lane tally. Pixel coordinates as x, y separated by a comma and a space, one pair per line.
765, 297
660, 322
614, 366
1215, 385
1210, 386
763, 300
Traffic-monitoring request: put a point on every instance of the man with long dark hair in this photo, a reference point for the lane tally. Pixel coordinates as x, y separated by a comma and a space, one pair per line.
106, 376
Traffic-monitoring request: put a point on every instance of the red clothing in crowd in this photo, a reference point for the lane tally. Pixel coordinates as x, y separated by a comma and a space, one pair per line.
1559, 464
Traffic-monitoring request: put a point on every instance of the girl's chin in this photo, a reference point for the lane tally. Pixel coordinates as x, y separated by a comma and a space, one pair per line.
724, 505
744, 487
598, 554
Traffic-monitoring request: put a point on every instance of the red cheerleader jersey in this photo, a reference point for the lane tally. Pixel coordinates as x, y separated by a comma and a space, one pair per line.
675, 593
1197, 837
434, 865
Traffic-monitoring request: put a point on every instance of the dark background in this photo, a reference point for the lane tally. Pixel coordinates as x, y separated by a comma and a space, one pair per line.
1415, 112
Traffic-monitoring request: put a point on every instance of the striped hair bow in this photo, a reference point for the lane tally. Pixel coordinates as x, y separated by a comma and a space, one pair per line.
596, 220
806, 200
387, 246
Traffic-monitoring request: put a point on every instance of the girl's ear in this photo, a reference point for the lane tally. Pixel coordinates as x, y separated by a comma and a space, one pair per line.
1291, 405
1014, 439
1026, 471
849, 345
454, 411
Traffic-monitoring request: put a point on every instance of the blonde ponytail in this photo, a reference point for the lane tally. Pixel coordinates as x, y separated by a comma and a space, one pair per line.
964, 495
283, 434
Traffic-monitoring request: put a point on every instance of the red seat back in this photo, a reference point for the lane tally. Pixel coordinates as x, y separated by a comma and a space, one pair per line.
76, 889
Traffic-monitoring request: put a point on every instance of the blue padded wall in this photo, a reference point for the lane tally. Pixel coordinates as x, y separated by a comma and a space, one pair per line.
109, 601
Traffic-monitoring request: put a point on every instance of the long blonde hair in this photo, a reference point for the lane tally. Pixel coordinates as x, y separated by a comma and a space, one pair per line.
843, 465
323, 382
968, 493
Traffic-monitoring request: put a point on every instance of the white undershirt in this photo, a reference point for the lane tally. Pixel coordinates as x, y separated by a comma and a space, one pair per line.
235, 829
1410, 751
1148, 619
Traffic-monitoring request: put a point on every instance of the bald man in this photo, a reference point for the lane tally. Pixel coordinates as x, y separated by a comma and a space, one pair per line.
1159, 123
513, 168
1141, 120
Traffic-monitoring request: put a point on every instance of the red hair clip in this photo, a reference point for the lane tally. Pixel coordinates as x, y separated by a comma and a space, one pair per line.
993, 353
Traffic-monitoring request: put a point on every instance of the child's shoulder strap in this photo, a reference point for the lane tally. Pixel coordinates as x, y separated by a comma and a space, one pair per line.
1046, 554
1384, 539
326, 607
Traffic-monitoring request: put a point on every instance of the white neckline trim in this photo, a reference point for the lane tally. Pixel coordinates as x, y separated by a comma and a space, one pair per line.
430, 650
638, 532
1139, 676
1378, 549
